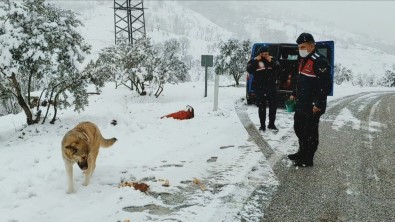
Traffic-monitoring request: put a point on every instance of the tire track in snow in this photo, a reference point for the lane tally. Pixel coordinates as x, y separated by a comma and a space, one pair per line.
259, 198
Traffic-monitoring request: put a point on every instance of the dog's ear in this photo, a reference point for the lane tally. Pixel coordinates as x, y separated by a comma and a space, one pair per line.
85, 137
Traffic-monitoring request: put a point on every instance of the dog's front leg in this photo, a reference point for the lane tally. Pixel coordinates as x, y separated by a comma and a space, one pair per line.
87, 178
89, 171
70, 181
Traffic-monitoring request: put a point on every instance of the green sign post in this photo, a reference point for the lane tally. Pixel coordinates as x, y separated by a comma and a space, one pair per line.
207, 61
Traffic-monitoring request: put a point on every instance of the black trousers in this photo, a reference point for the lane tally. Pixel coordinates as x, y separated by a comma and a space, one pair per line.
306, 129
268, 97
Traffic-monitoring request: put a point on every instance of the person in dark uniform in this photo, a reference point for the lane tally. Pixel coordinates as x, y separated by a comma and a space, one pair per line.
265, 69
313, 85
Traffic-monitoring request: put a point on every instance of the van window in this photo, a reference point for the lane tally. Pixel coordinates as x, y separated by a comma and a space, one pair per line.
288, 53
323, 51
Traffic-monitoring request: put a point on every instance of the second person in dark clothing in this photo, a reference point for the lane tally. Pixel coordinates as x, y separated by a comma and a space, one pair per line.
264, 69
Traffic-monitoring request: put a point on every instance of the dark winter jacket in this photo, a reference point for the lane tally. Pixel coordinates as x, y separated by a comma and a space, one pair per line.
265, 73
313, 83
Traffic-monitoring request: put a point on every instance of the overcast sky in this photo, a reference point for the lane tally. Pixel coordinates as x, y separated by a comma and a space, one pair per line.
374, 18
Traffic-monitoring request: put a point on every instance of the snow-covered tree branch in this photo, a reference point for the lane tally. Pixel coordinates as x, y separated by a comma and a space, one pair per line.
39, 45
232, 58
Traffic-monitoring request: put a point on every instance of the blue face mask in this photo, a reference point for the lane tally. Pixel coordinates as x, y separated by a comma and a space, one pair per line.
303, 53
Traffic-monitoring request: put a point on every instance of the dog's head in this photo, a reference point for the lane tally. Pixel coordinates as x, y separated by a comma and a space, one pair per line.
78, 151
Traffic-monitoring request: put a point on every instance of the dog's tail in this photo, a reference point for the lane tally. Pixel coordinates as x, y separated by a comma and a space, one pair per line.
107, 142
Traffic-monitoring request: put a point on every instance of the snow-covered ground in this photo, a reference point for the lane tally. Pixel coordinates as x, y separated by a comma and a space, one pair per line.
213, 147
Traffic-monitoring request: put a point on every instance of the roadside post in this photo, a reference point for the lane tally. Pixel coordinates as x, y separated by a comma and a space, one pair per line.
216, 85
207, 61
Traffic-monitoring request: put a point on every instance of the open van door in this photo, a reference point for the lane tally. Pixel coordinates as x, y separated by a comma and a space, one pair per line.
287, 54
327, 48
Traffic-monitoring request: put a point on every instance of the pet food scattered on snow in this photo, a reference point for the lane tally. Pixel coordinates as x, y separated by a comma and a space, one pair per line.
143, 187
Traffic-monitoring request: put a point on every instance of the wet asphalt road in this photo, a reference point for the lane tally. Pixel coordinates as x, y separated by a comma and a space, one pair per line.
353, 177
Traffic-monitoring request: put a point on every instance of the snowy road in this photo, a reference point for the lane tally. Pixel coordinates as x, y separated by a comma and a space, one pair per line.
354, 173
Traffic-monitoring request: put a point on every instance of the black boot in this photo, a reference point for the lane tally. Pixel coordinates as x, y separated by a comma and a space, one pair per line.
294, 156
297, 155
262, 128
272, 126
305, 159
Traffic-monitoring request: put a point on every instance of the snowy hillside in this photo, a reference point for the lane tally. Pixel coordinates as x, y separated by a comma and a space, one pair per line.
164, 20
206, 23
269, 22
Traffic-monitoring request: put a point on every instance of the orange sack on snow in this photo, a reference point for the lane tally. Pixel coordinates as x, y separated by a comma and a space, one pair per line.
182, 114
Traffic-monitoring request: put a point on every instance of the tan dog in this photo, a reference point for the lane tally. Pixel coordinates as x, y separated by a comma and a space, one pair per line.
81, 145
